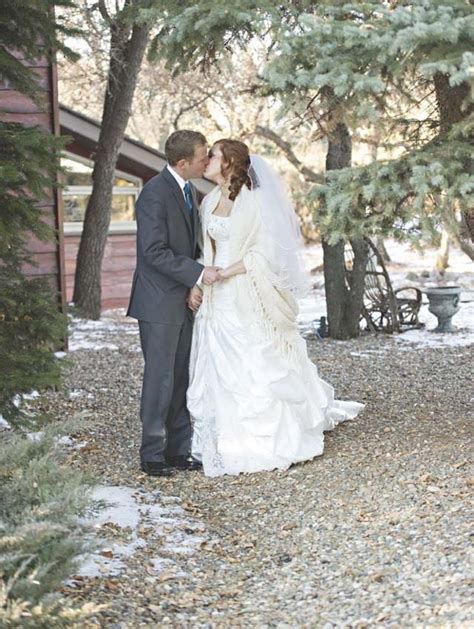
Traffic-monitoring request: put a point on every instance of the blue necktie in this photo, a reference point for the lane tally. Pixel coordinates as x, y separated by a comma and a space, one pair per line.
188, 198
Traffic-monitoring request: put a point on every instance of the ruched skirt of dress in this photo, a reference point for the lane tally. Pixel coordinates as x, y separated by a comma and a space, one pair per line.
252, 409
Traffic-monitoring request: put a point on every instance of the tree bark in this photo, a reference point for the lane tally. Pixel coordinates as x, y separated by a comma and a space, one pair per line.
344, 299
382, 249
127, 48
442, 259
452, 107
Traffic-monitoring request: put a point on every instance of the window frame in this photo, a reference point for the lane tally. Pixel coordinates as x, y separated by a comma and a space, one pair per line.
115, 227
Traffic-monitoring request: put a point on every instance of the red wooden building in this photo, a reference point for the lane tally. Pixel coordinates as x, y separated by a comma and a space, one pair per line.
16, 107
65, 209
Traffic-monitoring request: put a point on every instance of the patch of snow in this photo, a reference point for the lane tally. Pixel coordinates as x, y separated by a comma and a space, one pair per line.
60, 354
180, 543
81, 342
4, 425
122, 510
75, 393
426, 338
32, 395
368, 353
35, 437
95, 565
134, 510
19, 398
65, 440
96, 335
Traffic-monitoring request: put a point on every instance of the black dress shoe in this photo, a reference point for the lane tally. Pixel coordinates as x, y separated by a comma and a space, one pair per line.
184, 463
156, 468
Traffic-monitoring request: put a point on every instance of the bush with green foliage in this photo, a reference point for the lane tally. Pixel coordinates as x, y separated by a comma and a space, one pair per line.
41, 499
31, 324
40, 534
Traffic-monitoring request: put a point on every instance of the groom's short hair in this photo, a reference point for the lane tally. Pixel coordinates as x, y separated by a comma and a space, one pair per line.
181, 145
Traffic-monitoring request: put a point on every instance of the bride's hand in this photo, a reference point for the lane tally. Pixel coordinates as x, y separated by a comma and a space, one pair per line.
223, 274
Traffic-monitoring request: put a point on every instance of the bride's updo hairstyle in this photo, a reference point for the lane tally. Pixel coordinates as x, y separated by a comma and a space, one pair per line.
236, 163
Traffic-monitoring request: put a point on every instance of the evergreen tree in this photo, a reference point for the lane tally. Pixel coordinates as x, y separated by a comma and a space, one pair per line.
405, 67
31, 326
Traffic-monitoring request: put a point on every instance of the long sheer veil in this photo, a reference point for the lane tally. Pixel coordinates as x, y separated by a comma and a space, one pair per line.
282, 228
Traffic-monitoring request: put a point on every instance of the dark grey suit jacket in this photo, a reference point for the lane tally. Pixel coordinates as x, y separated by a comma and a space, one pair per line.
167, 248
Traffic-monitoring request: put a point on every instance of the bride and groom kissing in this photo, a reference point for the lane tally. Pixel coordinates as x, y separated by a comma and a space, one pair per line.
228, 385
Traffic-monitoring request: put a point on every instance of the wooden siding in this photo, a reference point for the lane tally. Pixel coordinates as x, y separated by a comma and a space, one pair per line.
16, 107
117, 268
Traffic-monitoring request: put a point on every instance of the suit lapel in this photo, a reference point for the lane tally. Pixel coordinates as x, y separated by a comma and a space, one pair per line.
180, 199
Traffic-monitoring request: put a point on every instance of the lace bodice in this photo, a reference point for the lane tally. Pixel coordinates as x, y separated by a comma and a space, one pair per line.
218, 227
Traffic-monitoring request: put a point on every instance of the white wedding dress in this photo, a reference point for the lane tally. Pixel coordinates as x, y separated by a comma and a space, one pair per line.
252, 409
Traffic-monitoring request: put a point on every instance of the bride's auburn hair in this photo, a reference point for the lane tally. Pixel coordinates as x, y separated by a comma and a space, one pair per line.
236, 163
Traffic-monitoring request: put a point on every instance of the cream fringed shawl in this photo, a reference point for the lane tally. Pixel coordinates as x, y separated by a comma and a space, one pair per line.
262, 307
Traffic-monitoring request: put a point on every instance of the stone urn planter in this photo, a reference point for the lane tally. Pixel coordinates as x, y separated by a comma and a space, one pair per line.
444, 304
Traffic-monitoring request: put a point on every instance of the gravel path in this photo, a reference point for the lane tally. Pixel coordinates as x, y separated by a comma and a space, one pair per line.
374, 532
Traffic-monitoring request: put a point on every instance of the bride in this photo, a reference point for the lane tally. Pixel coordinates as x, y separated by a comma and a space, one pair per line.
255, 397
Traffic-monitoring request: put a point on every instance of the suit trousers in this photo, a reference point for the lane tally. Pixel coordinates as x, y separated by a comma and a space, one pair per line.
166, 425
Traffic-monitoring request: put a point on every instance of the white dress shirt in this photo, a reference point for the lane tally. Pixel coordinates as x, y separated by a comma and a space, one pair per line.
181, 183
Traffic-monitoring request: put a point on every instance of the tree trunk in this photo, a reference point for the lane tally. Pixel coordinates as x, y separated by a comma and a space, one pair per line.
382, 249
442, 259
451, 101
127, 49
344, 302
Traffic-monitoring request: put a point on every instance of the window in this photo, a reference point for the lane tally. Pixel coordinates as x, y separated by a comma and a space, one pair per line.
77, 190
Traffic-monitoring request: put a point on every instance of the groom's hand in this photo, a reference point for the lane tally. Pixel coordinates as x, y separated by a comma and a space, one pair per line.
210, 275
194, 298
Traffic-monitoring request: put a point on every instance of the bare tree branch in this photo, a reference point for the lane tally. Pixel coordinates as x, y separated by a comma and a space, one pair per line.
287, 150
103, 11
193, 105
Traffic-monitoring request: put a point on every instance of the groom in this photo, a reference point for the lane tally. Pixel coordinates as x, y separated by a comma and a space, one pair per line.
167, 248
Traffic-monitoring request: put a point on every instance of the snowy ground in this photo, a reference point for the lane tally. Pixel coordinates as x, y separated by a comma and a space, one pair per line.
407, 268
126, 523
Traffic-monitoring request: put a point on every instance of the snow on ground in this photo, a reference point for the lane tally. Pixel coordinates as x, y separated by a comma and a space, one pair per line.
64, 440
4, 425
134, 511
18, 400
80, 393
95, 335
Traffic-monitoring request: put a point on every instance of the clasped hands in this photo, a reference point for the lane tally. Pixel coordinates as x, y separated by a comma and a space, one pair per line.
211, 275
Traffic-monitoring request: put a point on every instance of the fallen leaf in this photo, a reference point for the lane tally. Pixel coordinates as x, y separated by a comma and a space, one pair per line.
167, 575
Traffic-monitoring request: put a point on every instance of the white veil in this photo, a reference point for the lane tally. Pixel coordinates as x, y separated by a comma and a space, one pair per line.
282, 228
